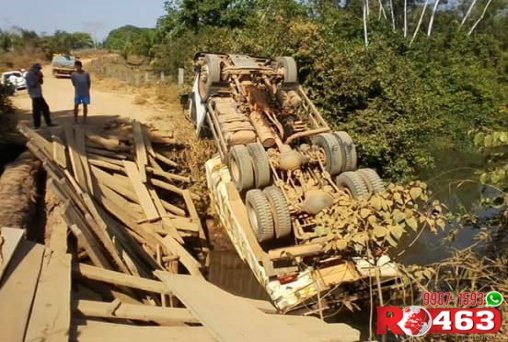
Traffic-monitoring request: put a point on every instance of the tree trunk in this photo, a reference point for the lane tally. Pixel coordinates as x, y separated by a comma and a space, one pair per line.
479, 19
365, 33
429, 31
393, 16
419, 22
381, 10
405, 18
467, 13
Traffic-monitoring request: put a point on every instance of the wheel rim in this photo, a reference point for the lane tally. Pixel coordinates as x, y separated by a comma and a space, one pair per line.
253, 219
235, 170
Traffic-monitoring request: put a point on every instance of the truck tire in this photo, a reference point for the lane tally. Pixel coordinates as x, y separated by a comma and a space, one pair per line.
290, 70
353, 182
213, 77
350, 157
372, 180
261, 165
259, 214
334, 163
280, 211
240, 166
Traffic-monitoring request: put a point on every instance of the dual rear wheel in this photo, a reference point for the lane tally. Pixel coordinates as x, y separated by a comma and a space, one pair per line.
249, 166
268, 213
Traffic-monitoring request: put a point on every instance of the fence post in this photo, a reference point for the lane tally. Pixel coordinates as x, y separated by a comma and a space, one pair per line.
180, 76
163, 77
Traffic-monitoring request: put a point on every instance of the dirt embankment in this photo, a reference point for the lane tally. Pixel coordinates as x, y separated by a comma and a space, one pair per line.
19, 195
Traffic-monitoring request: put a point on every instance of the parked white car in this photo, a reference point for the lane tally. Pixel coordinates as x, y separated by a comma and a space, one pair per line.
14, 78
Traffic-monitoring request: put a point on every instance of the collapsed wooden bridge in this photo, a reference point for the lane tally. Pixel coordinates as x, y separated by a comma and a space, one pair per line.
129, 262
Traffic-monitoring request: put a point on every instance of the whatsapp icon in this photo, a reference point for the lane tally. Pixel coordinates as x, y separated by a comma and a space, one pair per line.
493, 299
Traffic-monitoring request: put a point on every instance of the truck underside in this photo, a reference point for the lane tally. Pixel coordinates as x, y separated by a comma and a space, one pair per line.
280, 165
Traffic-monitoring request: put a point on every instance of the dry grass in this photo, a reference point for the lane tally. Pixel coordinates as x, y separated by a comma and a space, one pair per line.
20, 60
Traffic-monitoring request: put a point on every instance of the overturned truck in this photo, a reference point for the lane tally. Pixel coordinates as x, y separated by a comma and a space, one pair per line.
279, 165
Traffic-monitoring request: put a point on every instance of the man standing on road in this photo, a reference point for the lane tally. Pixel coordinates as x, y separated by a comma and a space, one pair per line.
82, 83
34, 80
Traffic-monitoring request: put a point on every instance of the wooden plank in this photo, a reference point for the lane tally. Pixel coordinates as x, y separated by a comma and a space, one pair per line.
319, 329
58, 237
126, 238
173, 209
9, 241
120, 279
99, 331
81, 149
104, 142
106, 153
153, 163
141, 191
115, 184
124, 206
106, 165
171, 316
38, 139
165, 160
51, 312
59, 155
89, 243
148, 142
77, 168
227, 317
169, 176
172, 188
185, 223
186, 258
17, 290
141, 156
193, 212
93, 156
166, 222
100, 230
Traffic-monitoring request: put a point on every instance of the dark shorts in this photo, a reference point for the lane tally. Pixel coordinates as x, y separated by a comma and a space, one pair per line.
82, 100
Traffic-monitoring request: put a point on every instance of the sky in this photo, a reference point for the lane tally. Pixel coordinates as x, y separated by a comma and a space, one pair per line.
96, 17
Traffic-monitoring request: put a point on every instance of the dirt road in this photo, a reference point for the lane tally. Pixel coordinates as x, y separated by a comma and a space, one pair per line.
59, 93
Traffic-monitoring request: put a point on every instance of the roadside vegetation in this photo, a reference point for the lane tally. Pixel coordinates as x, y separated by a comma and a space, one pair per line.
20, 48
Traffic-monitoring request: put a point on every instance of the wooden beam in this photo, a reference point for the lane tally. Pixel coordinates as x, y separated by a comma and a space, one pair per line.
59, 155
58, 237
77, 168
9, 241
17, 291
141, 191
99, 331
186, 258
106, 153
148, 143
50, 318
173, 209
166, 222
172, 316
165, 160
81, 149
120, 279
169, 176
93, 156
106, 165
141, 156
115, 184
227, 317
